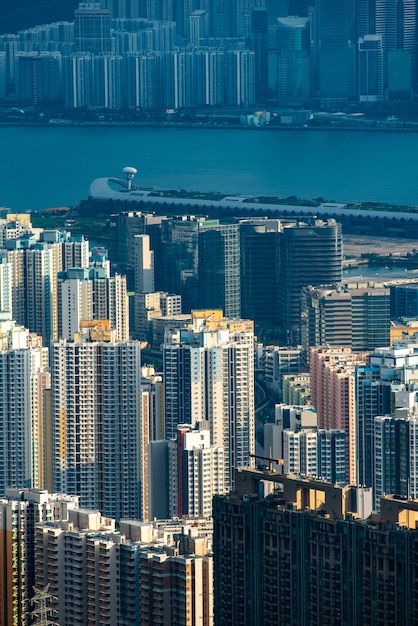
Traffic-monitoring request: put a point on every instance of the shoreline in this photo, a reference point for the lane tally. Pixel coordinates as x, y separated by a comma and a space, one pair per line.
58, 123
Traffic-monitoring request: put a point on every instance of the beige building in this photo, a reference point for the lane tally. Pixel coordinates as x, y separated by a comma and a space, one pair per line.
145, 574
20, 511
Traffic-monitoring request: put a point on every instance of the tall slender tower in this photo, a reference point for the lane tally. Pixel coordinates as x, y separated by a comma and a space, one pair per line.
144, 265
335, 50
23, 377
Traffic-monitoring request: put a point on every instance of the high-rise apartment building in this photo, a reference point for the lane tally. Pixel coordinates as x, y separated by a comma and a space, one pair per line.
20, 511
275, 362
299, 555
299, 447
295, 418
198, 26
5, 285
200, 472
34, 276
372, 398
125, 8
99, 438
332, 378
209, 377
90, 294
391, 457
152, 391
141, 575
38, 78
349, 316
23, 378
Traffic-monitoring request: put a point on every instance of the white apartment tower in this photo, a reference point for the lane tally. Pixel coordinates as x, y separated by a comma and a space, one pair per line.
34, 276
209, 378
144, 265
300, 452
23, 378
85, 295
100, 447
5, 285
200, 472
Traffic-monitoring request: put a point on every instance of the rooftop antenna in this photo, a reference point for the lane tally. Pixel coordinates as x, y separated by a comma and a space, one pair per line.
129, 175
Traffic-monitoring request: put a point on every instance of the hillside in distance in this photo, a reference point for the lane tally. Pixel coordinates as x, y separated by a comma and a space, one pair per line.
22, 14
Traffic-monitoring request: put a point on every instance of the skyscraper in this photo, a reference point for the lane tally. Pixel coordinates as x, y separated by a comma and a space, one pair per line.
293, 60
372, 397
209, 377
92, 28
335, 50
310, 254
370, 69
144, 265
299, 555
351, 316
20, 511
201, 261
23, 378
299, 254
99, 438
395, 23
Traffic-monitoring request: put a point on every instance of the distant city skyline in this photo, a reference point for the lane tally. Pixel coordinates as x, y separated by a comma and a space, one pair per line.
240, 54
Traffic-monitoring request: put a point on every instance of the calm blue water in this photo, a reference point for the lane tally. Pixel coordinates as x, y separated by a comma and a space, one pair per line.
53, 166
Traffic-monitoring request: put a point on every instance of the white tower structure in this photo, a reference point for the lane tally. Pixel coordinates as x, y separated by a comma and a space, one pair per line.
130, 173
